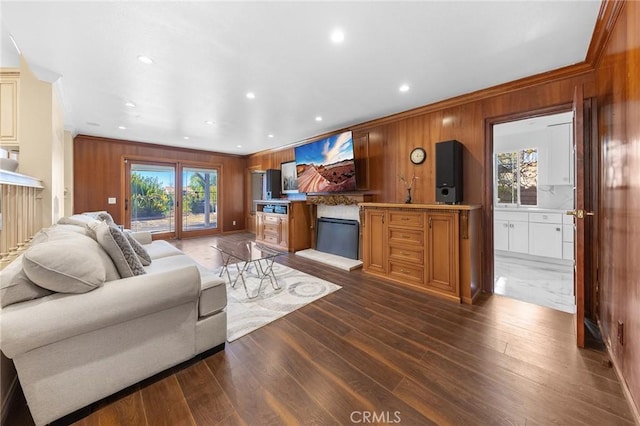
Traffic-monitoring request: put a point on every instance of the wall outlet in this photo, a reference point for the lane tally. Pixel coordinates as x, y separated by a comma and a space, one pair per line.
621, 332
234, 223
111, 200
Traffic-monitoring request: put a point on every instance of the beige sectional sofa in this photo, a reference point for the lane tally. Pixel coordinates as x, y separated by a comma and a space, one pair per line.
72, 349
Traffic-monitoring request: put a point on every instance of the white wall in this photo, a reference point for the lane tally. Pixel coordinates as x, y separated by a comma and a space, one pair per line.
41, 138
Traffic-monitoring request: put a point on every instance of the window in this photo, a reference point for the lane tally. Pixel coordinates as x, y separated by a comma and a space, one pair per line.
517, 177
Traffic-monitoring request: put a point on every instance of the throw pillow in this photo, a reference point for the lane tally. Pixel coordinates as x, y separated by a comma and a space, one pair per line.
142, 253
65, 265
105, 217
117, 246
16, 287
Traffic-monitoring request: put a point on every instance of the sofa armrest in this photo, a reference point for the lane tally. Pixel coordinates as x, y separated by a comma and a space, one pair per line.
143, 237
36, 323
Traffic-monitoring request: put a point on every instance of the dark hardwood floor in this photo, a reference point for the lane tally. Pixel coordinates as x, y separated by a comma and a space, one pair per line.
376, 352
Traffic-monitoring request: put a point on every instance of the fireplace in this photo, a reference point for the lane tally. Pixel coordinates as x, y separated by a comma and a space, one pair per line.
338, 236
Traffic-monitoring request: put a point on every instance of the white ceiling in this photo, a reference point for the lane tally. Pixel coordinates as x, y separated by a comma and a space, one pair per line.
208, 55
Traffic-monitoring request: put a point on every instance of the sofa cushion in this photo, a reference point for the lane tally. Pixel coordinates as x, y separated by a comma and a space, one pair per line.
16, 287
213, 291
74, 232
94, 213
76, 219
117, 246
143, 255
65, 265
160, 248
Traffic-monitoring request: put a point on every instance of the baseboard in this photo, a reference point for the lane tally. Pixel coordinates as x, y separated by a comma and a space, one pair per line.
9, 400
625, 389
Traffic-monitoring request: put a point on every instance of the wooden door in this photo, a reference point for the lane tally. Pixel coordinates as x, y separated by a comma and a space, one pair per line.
580, 215
375, 241
442, 252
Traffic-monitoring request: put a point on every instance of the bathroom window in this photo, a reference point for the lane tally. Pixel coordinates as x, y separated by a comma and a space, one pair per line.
517, 177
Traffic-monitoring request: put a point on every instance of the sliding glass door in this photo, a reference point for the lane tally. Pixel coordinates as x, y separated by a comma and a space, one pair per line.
199, 199
153, 204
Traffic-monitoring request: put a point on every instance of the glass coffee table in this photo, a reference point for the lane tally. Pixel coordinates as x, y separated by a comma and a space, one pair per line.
243, 255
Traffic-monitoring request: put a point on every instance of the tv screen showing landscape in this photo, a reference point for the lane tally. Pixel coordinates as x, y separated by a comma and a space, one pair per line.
326, 165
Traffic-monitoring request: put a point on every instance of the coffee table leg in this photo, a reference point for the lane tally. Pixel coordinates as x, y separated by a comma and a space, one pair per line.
225, 266
267, 272
244, 283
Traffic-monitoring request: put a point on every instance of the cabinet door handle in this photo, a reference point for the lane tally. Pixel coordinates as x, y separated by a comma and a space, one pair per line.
511, 225
558, 229
430, 222
404, 218
506, 225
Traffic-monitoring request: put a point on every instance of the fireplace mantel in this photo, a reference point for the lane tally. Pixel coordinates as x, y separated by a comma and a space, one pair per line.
338, 199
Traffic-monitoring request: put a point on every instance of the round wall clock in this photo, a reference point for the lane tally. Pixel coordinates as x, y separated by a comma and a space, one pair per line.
418, 155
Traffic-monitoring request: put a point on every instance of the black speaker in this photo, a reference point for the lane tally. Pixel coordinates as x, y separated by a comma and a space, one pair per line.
449, 172
272, 184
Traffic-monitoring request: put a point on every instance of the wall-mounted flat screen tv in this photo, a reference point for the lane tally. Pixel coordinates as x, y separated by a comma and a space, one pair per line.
326, 165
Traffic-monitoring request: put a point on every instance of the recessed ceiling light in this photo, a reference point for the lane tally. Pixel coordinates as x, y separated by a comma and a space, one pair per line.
122, 128
238, 146
251, 95
145, 60
209, 122
404, 88
186, 138
270, 135
337, 36
130, 104
318, 118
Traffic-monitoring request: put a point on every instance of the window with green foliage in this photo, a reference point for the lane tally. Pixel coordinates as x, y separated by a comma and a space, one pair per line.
516, 177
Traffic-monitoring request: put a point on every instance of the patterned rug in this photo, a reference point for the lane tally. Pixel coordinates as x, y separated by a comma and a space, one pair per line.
296, 290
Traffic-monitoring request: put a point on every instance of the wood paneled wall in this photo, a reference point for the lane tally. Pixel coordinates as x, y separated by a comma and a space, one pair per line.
98, 165
618, 96
391, 139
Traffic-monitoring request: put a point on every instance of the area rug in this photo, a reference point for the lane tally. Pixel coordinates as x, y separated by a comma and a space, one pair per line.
297, 289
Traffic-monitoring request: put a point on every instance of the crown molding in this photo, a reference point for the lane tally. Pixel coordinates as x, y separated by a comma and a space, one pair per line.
607, 17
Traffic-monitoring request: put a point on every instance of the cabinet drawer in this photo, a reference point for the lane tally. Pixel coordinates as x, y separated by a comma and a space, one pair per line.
271, 228
408, 219
519, 216
404, 272
408, 255
545, 217
405, 236
271, 219
271, 238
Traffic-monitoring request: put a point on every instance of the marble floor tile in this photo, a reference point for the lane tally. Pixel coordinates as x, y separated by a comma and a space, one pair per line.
541, 283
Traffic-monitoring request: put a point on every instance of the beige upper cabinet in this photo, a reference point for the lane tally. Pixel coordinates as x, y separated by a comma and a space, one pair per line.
9, 87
